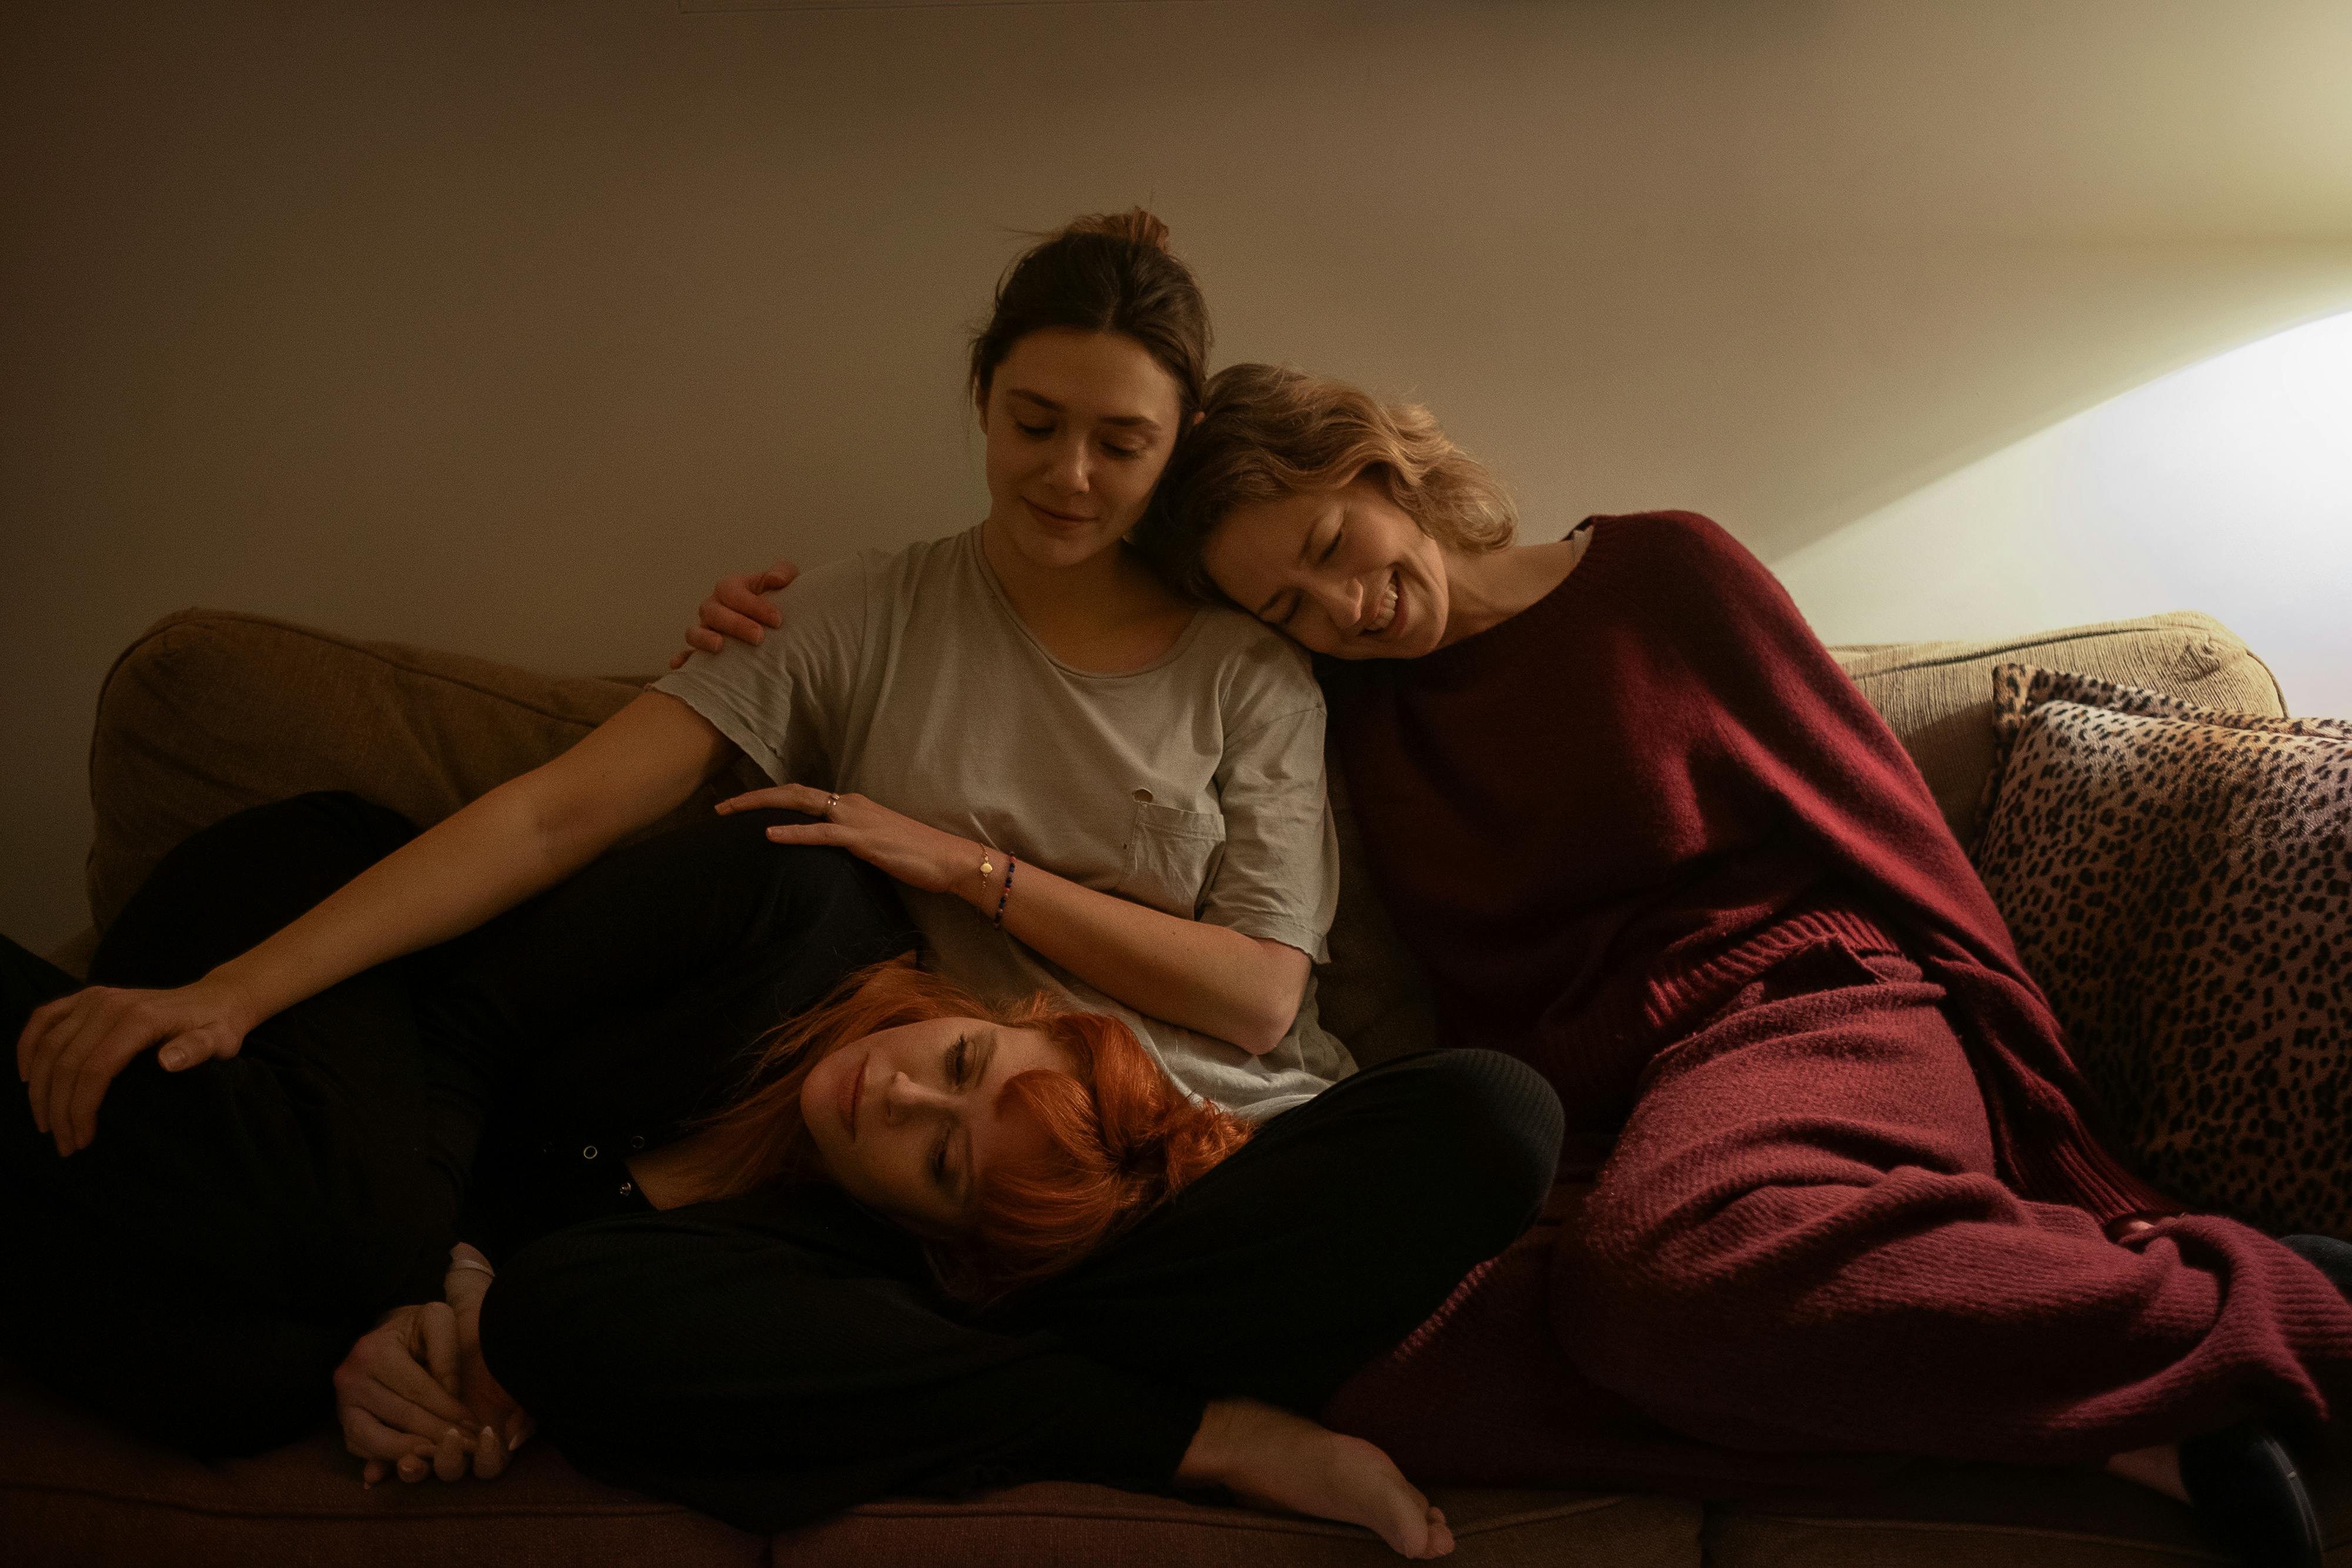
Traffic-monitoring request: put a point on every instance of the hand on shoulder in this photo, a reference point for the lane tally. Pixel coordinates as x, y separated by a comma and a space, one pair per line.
736, 609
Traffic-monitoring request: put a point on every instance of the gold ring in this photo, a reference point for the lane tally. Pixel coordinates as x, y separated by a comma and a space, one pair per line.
831, 801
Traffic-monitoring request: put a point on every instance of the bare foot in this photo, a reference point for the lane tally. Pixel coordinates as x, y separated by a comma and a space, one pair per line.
1274, 1460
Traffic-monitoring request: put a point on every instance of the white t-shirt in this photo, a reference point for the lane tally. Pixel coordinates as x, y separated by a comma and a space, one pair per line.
1193, 785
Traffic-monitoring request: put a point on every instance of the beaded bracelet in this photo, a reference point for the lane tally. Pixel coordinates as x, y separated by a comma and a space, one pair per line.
999, 921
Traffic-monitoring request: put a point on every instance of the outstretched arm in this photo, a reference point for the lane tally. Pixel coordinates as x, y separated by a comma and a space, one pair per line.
521, 838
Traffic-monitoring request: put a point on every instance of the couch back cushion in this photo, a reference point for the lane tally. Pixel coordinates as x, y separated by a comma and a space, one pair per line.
1938, 695
212, 711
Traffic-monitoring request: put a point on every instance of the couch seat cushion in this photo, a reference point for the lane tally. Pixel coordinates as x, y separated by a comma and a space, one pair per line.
75, 1492
1962, 1515
1061, 1525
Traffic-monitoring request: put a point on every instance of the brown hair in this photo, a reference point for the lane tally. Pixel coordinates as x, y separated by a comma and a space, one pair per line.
1121, 1139
1268, 431
1108, 272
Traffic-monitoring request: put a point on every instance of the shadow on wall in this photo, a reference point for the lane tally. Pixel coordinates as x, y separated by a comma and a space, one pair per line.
2225, 487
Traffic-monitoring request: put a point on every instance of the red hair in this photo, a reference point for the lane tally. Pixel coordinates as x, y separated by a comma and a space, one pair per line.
1121, 1137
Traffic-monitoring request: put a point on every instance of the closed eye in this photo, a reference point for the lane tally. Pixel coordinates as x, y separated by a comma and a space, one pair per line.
958, 1070
1038, 431
1333, 548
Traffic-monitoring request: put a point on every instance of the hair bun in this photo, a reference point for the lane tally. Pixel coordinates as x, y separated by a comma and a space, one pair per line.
1134, 225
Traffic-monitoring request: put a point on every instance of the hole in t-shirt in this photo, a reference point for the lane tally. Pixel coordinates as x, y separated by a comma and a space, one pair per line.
1144, 795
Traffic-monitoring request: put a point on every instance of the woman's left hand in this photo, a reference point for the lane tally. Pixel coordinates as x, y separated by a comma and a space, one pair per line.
910, 853
396, 1397
414, 1396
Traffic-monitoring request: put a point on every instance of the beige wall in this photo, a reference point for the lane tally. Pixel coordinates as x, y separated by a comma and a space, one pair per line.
2227, 485
506, 327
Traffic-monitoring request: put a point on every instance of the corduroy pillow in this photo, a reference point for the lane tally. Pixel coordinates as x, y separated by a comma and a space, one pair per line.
2178, 880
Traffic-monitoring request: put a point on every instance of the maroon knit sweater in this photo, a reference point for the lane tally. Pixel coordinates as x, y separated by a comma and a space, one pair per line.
1657, 776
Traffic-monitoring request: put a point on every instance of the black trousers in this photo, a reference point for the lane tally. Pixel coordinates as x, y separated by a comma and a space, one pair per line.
770, 1359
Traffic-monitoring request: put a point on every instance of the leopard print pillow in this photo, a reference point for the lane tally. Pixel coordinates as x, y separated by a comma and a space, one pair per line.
2179, 881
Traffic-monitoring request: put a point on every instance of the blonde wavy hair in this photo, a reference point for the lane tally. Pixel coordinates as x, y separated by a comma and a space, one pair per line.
1268, 433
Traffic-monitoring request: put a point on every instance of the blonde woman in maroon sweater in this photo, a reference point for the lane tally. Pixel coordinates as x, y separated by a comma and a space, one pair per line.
1644, 834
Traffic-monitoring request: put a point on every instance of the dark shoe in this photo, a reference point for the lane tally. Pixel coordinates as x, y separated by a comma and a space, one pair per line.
2249, 1499
2326, 1254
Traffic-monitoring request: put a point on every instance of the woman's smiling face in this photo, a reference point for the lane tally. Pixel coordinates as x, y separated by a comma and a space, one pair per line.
1079, 425
909, 1121
1342, 571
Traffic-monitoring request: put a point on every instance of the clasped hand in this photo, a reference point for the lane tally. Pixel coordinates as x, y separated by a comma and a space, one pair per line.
71, 1049
414, 1396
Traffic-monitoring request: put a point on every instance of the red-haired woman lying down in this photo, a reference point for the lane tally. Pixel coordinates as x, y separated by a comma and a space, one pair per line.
911, 1239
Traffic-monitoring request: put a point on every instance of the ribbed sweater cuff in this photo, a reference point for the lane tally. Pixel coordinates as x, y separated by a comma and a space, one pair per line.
2076, 1169
1687, 996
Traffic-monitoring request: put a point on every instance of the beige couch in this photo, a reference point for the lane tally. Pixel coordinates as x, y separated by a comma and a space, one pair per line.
211, 712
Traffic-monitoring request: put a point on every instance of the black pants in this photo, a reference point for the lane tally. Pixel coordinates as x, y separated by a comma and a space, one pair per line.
774, 1359
766, 1362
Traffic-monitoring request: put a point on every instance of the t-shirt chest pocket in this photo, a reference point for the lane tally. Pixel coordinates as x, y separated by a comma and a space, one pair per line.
1170, 855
